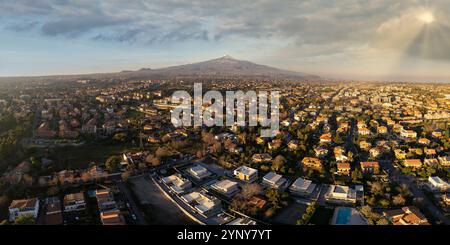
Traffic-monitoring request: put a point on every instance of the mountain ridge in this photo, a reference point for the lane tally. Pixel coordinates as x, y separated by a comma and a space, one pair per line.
222, 67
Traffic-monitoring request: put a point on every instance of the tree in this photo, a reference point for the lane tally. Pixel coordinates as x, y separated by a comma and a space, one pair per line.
398, 200
250, 190
113, 163
278, 163
125, 176
5, 222
383, 221
153, 160
376, 187
120, 137
356, 175
162, 152
25, 220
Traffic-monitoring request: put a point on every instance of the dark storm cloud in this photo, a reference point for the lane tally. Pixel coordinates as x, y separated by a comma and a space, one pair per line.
339, 24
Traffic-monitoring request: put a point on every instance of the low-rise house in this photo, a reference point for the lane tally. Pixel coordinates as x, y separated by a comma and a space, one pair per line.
446, 199
408, 134
444, 161
437, 184
274, 144
370, 167
105, 200
203, 203
113, 217
430, 152
199, 172
437, 134
424, 141
273, 180
376, 152
382, 130
400, 154
177, 183
23, 207
412, 163
293, 145
262, 158
406, 216
312, 163
245, 173
325, 138
432, 162
343, 168
363, 131
74, 202
226, 187
302, 187
321, 151
257, 202
364, 145
340, 194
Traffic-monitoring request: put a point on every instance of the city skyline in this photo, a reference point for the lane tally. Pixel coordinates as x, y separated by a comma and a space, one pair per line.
343, 40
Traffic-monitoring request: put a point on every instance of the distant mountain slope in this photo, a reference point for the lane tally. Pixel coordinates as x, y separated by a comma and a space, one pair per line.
222, 67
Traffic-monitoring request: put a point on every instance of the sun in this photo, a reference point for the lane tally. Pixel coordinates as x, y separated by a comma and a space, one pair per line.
426, 17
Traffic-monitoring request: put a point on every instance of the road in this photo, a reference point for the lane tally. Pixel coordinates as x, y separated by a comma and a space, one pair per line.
396, 176
133, 206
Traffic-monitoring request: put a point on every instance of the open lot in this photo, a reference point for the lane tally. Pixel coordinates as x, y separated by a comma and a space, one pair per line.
156, 206
290, 214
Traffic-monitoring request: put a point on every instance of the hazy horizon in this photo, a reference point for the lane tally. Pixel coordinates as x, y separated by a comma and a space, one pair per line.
352, 39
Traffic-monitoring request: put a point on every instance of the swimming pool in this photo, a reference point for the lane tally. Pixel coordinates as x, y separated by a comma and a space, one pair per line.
343, 216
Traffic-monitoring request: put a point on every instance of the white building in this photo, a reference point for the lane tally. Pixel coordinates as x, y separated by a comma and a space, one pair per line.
437, 183
242, 221
246, 174
273, 180
177, 183
203, 203
199, 172
302, 187
340, 194
226, 187
23, 207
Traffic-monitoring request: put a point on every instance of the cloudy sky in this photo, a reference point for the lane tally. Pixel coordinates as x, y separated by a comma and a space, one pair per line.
355, 39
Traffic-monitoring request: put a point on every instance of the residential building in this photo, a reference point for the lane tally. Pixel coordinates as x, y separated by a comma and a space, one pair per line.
105, 200
412, 163
436, 183
382, 130
246, 174
444, 161
340, 194
312, 162
363, 131
262, 158
273, 180
113, 217
343, 168
408, 134
199, 172
302, 187
226, 187
177, 183
74, 202
23, 207
369, 167
203, 203
406, 216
